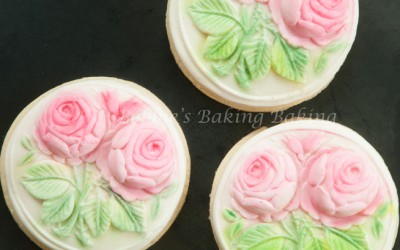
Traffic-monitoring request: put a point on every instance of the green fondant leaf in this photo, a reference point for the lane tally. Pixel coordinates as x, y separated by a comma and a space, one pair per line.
334, 47
66, 229
213, 17
168, 191
310, 242
229, 215
96, 214
244, 16
289, 228
27, 143
82, 233
352, 239
27, 158
83, 178
58, 209
76, 221
242, 74
127, 216
234, 229
321, 63
382, 210
237, 40
257, 23
155, 207
261, 236
258, 58
307, 235
377, 228
46, 180
297, 222
220, 47
223, 68
289, 62
255, 56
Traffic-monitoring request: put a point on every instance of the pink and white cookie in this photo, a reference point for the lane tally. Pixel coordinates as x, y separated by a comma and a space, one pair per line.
261, 55
308, 184
96, 163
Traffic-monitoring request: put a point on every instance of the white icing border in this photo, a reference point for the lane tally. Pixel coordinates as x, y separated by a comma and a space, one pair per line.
200, 76
223, 173
11, 184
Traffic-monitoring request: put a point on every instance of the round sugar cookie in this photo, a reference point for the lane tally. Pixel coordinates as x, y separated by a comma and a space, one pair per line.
308, 184
261, 55
97, 163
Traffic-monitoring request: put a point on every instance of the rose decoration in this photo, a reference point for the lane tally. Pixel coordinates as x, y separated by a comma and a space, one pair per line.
120, 112
138, 162
70, 129
118, 115
310, 23
265, 186
303, 147
340, 188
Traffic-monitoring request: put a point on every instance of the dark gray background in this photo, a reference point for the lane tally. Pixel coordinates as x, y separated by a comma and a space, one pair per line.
44, 43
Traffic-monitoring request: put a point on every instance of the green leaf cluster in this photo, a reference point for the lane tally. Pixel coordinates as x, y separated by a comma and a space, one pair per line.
28, 144
296, 232
239, 42
322, 61
156, 203
75, 204
377, 225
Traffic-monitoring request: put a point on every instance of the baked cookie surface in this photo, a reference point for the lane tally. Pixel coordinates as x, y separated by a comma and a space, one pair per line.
97, 163
304, 185
261, 55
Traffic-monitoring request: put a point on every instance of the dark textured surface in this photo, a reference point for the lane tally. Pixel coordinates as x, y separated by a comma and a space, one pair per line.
44, 43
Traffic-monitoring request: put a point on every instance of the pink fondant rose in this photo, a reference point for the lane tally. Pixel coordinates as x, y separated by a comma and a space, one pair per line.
265, 186
310, 23
70, 128
302, 148
120, 112
138, 162
118, 115
340, 188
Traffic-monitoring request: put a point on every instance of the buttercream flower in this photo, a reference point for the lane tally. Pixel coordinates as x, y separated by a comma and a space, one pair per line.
265, 186
252, 1
70, 128
340, 188
310, 23
138, 161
